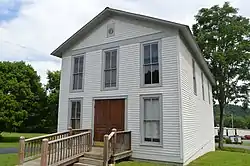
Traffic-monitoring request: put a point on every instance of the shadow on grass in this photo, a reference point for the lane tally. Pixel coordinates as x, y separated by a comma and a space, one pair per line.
9, 139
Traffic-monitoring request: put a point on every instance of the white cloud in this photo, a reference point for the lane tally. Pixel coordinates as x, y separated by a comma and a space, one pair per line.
42, 25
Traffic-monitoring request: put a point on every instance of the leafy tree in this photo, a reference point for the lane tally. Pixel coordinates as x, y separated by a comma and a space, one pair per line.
52, 87
20, 95
224, 39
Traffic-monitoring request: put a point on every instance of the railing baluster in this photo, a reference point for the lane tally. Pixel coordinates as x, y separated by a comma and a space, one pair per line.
44, 152
21, 153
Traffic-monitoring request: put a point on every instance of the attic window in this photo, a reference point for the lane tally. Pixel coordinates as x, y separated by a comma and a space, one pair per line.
111, 30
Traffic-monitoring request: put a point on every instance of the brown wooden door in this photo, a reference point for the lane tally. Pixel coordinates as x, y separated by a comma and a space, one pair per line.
108, 114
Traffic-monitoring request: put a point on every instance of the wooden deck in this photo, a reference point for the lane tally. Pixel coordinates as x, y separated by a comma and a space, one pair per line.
66, 148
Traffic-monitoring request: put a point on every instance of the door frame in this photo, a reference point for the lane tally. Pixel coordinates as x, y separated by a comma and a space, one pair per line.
125, 97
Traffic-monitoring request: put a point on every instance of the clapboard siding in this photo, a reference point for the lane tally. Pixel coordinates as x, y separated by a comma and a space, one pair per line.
124, 29
197, 114
129, 85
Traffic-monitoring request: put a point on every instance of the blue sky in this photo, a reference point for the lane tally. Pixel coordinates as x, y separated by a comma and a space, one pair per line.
9, 9
31, 29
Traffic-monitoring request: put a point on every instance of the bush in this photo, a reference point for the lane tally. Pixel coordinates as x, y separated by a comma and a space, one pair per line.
228, 141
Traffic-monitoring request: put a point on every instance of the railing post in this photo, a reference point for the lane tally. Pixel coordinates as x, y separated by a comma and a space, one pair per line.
70, 131
70, 134
44, 152
113, 146
114, 141
130, 135
90, 139
106, 150
21, 150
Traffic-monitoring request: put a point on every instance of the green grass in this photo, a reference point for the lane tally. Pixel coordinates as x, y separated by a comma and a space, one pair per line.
8, 159
11, 139
9, 144
227, 157
236, 150
137, 163
223, 158
246, 143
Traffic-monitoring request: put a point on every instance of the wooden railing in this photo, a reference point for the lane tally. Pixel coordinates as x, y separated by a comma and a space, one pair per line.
115, 143
30, 149
59, 151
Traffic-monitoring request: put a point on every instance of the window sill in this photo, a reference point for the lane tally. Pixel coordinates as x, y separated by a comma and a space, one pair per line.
76, 91
151, 145
109, 89
151, 85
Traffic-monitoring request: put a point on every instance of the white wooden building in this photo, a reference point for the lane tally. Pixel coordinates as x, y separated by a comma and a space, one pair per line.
133, 72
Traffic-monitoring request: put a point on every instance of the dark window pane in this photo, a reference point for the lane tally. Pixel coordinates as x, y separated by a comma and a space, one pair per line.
107, 60
77, 124
113, 78
147, 74
155, 74
75, 80
107, 78
76, 61
146, 54
80, 81
154, 48
78, 110
113, 59
73, 109
73, 124
81, 64
156, 140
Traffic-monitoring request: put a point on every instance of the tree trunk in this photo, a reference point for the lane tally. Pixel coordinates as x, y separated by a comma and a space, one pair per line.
222, 106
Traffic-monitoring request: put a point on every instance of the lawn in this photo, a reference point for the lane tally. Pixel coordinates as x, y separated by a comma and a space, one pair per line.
8, 140
227, 157
223, 158
246, 143
11, 139
8, 159
135, 163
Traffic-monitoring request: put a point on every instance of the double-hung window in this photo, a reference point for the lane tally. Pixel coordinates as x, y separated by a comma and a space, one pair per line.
110, 69
151, 117
75, 114
150, 64
77, 80
194, 78
202, 85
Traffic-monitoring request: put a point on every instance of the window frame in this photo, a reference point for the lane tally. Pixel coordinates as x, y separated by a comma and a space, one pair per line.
142, 130
208, 92
202, 86
103, 88
142, 75
70, 110
72, 72
194, 77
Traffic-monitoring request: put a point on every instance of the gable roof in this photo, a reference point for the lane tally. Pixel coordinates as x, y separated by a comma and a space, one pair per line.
184, 30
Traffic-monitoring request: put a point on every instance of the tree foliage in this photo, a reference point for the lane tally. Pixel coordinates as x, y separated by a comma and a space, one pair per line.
224, 39
20, 94
52, 88
239, 115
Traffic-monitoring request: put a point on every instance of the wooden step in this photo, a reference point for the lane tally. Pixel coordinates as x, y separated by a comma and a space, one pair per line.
94, 156
81, 164
91, 161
